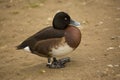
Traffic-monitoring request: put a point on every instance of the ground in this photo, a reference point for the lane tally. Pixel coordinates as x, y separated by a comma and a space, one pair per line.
97, 57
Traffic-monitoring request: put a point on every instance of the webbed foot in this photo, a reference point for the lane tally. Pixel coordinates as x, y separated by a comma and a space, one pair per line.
58, 63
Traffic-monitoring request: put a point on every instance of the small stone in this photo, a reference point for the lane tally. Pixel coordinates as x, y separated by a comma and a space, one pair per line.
116, 65
49, 19
58, 11
43, 71
110, 48
113, 38
100, 23
84, 22
105, 54
110, 65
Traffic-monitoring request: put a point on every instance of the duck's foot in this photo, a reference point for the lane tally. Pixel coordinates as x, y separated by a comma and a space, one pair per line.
58, 63
55, 65
64, 60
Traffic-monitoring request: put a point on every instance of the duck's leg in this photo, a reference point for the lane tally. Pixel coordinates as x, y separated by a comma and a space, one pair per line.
58, 63
49, 62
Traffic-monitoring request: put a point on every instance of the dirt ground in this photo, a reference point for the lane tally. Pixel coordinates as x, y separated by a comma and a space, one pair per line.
97, 57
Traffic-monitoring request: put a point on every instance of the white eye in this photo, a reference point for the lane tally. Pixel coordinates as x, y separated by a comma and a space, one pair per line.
65, 18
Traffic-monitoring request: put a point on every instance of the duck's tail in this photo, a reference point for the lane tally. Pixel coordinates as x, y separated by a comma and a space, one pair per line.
21, 46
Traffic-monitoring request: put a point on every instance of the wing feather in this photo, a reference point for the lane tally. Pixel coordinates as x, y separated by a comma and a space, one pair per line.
47, 33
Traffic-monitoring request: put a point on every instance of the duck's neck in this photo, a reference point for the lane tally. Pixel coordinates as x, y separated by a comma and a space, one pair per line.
73, 36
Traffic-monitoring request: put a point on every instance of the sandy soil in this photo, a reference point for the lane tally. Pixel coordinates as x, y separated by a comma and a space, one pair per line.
97, 57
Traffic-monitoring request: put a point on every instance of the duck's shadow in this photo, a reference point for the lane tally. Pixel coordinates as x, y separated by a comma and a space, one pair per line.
42, 69
38, 69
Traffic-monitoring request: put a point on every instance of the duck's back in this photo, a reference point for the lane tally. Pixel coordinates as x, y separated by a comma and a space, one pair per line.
47, 33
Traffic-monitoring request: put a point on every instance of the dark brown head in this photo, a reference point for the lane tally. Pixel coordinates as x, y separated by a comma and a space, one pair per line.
62, 20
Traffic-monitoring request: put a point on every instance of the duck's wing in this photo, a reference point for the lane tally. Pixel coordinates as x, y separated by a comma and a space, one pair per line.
44, 47
44, 34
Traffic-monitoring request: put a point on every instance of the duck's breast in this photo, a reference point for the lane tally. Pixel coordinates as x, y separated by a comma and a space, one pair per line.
73, 36
61, 49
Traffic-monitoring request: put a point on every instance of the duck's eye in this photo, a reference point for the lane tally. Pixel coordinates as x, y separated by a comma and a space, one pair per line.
65, 18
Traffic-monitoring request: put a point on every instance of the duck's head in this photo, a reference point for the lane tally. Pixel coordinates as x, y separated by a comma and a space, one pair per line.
62, 20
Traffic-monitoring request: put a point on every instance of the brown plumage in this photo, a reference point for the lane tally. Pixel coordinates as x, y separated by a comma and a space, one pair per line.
73, 36
61, 38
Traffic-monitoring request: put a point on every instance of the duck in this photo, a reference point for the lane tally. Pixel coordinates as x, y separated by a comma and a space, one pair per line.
60, 39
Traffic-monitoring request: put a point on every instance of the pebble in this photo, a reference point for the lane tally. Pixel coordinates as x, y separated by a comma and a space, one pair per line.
110, 65
84, 22
113, 38
43, 71
100, 23
110, 48
58, 11
49, 19
116, 65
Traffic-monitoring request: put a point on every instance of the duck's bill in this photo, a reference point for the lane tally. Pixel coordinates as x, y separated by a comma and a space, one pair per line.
74, 23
